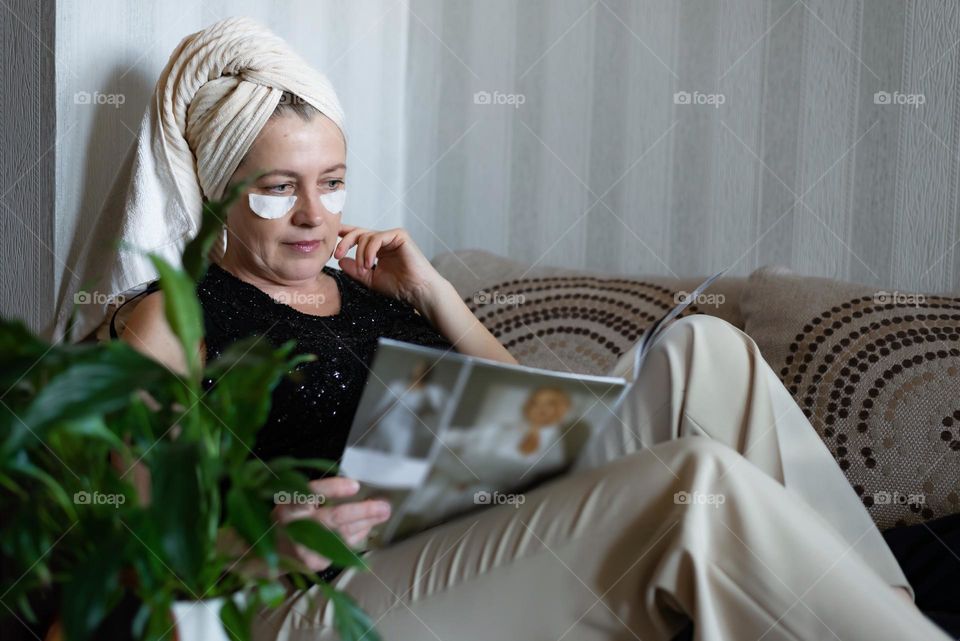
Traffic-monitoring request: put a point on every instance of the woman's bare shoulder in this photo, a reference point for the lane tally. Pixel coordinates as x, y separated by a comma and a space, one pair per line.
148, 332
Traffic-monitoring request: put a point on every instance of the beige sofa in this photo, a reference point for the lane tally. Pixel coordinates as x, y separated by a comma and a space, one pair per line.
876, 372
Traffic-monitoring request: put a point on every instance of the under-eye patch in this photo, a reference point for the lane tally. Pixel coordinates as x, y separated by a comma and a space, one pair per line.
271, 206
334, 200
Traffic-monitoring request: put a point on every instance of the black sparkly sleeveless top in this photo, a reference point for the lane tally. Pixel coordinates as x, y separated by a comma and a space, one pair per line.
310, 417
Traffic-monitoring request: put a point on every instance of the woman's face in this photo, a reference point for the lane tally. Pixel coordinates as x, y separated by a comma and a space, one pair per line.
546, 407
301, 158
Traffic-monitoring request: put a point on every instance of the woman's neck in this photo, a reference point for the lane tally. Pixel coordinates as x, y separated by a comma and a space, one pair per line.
273, 285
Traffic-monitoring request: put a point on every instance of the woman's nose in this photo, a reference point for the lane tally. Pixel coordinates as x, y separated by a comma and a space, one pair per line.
309, 211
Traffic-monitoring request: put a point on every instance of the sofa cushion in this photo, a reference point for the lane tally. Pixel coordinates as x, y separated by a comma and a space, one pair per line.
571, 320
878, 375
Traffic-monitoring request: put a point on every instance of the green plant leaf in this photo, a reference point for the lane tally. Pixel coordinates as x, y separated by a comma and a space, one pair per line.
291, 463
236, 623
324, 542
182, 310
350, 621
251, 518
212, 220
245, 376
23, 605
178, 507
160, 623
92, 427
287, 481
101, 383
272, 593
17, 342
11, 485
91, 587
23, 466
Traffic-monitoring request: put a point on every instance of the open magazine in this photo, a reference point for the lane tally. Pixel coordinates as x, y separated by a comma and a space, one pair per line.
439, 434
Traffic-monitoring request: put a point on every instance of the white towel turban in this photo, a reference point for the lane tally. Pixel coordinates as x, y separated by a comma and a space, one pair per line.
212, 99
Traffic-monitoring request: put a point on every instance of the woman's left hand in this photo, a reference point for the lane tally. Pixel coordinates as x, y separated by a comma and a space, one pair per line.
402, 272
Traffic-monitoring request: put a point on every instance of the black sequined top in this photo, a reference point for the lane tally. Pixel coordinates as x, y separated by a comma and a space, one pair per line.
310, 417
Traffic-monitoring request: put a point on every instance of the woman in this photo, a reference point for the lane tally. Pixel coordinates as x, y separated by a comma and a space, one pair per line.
396, 420
709, 499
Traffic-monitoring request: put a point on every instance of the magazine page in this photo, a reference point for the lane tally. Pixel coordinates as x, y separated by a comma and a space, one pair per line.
510, 431
653, 332
434, 428
408, 392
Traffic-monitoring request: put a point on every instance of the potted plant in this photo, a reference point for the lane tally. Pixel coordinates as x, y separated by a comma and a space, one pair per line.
73, 521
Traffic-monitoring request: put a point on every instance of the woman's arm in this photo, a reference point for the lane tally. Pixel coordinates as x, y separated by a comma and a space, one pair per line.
148, 332
443, 307
403, 272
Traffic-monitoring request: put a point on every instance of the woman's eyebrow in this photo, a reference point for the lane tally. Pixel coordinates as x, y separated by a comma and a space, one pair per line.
294, 174
281, 172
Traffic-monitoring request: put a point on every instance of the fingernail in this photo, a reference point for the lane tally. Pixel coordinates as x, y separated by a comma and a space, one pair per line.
354, 485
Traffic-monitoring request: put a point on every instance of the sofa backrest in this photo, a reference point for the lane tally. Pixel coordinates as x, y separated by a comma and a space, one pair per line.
570, 320
877, 373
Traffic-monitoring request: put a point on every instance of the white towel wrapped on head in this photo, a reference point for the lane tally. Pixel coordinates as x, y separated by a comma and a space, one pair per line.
214, 96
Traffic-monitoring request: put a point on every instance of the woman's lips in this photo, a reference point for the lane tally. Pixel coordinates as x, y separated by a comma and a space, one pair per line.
305, 246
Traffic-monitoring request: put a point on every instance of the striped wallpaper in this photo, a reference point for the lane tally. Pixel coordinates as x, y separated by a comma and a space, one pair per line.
663, 137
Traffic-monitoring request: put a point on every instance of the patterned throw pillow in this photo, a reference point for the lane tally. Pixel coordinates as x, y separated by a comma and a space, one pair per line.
878, 375
570, 320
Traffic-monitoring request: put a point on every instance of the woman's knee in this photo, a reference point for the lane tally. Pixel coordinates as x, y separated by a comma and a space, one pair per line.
726, 348
698, 451
710, 328
673, 464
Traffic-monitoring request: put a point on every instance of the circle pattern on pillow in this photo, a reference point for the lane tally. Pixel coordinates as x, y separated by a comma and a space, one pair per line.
880, 381
570, 323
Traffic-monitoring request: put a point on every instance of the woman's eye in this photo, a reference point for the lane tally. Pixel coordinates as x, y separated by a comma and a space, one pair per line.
276, 189
333, 185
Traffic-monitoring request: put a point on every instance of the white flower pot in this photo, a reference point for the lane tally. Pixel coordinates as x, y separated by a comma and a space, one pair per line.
200, 620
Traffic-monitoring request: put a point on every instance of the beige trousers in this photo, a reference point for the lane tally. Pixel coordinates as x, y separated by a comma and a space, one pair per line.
753, 532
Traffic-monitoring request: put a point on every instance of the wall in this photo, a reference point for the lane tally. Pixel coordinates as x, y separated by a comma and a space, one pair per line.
600, 168
27, 159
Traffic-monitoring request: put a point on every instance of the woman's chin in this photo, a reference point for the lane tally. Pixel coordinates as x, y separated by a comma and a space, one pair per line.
300, 267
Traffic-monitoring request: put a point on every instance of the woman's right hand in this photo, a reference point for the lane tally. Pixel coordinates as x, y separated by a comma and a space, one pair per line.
351, 520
